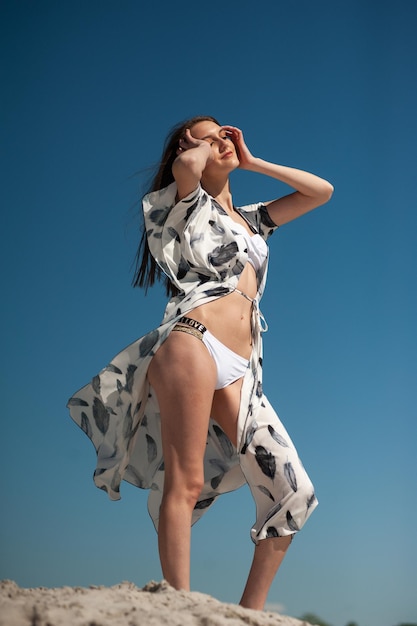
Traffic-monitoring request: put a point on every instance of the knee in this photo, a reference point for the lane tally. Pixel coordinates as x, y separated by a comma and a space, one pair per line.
300, 503
299, 485
185, 489
304, 485
193, 491
307, 486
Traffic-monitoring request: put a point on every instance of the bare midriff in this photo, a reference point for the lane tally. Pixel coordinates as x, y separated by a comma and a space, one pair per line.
229, 318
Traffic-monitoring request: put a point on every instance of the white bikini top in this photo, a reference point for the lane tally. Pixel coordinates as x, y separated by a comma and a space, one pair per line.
257, 248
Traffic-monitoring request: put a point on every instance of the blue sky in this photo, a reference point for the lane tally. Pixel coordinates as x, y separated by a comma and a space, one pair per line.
90, 90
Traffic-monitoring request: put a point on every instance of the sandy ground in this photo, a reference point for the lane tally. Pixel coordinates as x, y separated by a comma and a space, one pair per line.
157, 604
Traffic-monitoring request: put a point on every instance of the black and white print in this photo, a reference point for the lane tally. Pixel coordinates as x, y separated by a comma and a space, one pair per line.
193, 243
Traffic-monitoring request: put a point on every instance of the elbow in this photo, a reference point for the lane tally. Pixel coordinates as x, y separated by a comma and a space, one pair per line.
326, 192
330, 189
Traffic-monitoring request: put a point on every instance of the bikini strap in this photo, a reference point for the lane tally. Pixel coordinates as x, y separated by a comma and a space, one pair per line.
263, 324
258, 319
245, 295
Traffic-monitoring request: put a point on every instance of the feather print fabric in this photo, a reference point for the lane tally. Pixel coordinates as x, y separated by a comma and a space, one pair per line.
266, 461
193, 243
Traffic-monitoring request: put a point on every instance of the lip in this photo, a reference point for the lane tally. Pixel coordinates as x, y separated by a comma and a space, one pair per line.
227, 155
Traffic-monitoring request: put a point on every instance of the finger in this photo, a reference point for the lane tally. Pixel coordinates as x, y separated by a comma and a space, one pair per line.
228, 130
184, 144
231, 129
234, 134
189, 140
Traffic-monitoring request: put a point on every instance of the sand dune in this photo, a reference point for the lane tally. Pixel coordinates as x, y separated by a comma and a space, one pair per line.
157, 604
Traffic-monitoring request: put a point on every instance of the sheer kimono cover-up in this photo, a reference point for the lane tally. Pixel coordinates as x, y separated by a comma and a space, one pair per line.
196, 246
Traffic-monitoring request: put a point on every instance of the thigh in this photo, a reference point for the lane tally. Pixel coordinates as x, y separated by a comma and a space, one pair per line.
183, 376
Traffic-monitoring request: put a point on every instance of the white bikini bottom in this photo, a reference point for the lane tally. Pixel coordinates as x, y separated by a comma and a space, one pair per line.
230, 366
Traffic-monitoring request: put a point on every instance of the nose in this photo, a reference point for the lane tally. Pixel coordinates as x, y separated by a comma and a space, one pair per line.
224, 144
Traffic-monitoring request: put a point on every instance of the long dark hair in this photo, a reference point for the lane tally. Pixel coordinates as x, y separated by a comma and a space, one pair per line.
146, 269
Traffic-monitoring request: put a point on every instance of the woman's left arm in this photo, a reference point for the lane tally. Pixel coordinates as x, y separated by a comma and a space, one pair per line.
311, 191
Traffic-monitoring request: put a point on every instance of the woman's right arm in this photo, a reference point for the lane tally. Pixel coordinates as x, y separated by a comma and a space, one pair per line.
188, 167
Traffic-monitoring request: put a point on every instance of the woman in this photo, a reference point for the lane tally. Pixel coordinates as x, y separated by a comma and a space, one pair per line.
181, 411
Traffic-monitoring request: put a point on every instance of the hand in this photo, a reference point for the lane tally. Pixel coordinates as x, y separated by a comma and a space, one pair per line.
245, 156
189, 142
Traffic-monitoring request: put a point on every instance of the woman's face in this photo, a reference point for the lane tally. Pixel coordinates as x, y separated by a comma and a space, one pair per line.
224, 153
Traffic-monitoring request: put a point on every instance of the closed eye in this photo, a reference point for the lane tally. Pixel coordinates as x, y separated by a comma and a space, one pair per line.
211, 140
224, 138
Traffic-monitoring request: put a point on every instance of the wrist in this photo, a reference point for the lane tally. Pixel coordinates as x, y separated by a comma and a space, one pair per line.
252, 164
204, 149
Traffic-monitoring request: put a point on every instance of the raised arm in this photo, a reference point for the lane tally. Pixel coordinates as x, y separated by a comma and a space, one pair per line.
311, 191
188, 167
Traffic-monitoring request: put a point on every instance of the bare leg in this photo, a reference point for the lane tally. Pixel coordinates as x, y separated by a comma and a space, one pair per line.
183, 376
269, 554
